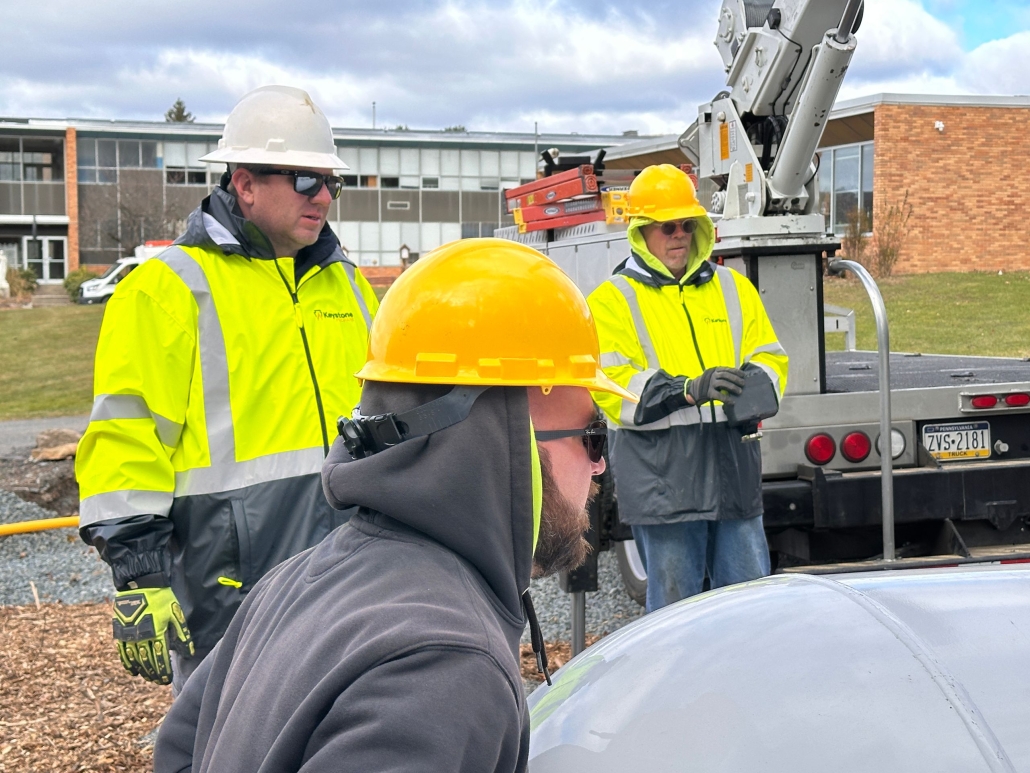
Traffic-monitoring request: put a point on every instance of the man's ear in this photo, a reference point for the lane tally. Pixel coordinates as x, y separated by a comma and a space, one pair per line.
243, 182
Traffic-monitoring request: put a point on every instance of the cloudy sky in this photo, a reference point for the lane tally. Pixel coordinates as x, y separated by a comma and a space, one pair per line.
583, 65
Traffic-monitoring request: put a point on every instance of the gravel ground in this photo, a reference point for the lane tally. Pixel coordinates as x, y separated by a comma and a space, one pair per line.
607, 610
62, 567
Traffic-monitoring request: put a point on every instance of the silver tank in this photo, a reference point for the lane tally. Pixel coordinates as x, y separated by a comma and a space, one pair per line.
922, 670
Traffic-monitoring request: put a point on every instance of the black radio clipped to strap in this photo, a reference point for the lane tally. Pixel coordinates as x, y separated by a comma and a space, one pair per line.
367, 435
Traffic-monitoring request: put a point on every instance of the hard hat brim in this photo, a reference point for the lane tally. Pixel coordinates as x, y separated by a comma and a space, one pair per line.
669, 213
285, 159
378, 371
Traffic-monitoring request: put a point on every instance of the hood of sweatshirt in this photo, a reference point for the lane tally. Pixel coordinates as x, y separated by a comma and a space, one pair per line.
218, 223
644, 266
469, 487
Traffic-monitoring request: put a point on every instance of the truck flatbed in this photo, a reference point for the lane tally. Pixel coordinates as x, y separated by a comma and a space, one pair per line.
859, 371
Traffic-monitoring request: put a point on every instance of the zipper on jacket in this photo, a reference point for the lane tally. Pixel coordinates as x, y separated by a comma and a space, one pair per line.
697, 349
298, 317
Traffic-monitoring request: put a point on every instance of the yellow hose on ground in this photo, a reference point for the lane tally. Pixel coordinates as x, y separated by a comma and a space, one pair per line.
24, 527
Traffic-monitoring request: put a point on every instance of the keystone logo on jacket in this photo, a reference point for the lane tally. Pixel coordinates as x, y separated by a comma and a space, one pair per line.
319, 314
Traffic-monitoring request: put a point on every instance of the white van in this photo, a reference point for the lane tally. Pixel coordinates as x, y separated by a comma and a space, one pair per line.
100, 289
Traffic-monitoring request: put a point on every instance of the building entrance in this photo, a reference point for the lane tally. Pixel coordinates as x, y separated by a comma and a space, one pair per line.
46, 256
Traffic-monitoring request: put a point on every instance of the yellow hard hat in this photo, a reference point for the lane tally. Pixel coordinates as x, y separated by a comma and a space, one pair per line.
486, 312
662, 193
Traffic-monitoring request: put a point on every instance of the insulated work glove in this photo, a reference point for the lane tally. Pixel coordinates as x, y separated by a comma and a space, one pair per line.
722, 384
148, 622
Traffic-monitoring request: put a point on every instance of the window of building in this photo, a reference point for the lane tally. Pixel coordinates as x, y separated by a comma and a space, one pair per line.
183, 166
389, 182
430, 182
845, 180
350, 180
368, 181
10, 159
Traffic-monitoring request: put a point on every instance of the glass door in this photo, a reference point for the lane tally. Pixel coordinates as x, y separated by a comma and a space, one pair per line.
46, 257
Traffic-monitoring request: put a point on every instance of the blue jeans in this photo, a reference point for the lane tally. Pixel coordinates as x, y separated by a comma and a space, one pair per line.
677, 555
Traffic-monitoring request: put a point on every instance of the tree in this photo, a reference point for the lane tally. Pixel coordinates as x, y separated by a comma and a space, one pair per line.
890, 232
457, 129
854, 239
177, 113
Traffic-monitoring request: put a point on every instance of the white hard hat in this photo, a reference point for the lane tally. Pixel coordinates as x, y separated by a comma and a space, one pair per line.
277, 126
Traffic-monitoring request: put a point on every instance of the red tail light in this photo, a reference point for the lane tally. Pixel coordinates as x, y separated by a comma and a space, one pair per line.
855, 446
820, 448
984, 401
1017, 400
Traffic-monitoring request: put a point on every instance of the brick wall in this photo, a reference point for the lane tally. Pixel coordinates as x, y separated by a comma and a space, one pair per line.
967, 185
71, 194
380, 276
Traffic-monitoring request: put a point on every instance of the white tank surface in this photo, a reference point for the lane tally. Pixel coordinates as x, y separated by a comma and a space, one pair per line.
921, 670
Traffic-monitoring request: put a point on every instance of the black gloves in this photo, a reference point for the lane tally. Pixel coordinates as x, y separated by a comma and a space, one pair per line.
722, 384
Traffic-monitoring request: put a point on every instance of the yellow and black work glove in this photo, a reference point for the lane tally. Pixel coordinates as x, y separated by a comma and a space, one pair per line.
723, 384
148, 623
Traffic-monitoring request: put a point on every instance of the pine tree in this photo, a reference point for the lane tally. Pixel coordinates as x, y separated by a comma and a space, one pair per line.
177, 113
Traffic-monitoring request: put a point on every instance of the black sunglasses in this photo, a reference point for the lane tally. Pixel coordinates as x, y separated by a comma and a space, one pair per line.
669, 229
594, 434
309, 183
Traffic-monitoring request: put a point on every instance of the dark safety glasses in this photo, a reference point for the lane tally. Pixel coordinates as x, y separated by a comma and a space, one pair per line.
309, 183
669, 229
595, 437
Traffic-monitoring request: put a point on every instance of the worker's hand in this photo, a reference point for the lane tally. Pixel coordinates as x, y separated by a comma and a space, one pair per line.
722, 384
147, 624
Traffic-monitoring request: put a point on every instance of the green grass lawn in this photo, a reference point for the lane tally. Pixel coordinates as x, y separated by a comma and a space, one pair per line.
976, 313
46, 355
46, 360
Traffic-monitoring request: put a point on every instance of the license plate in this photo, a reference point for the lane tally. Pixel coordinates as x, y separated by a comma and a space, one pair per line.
945, 442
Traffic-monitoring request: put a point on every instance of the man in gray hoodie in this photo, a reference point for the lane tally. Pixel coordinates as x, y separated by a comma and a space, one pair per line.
393, 645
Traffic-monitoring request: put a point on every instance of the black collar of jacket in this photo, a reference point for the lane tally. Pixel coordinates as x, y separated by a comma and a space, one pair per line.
218, 222
637, 269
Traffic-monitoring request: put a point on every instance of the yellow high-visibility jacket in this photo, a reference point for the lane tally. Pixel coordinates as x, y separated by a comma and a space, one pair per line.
688, 464
219, 379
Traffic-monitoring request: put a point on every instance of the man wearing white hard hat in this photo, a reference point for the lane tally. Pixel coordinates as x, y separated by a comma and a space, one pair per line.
221, 369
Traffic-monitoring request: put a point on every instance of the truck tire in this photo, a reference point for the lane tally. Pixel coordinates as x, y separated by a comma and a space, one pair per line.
631, 567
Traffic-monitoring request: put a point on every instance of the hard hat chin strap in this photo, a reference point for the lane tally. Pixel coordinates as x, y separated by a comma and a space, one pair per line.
367, 435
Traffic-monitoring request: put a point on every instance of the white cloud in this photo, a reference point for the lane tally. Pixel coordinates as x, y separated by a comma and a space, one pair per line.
577, 65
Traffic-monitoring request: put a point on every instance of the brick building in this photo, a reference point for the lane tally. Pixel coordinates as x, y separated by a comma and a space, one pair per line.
959, 158
86, 192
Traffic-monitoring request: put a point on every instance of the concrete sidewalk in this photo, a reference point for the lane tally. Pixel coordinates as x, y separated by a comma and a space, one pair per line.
20, 434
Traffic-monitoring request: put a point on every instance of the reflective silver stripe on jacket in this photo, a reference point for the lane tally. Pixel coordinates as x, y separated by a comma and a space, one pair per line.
636, 385
684, 417
214, 363
643, 336
349, 268
614, 360
229, 477
135, 407
733, 313
117, 505
225, 473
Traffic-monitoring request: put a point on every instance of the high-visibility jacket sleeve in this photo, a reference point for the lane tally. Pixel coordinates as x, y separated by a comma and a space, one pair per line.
622, 357
143, 375
760, 345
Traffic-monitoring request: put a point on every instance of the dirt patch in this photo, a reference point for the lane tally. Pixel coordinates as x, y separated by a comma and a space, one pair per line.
66, 703
48, 484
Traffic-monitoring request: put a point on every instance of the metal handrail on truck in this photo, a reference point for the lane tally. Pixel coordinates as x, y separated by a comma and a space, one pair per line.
838, 267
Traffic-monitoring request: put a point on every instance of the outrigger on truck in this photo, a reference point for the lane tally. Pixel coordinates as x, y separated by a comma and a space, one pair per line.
954, 431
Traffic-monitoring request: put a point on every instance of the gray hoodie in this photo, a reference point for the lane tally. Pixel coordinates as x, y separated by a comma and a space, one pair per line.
392, 645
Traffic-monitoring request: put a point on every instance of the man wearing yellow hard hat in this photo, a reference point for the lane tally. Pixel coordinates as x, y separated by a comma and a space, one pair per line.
393, 645
687, 335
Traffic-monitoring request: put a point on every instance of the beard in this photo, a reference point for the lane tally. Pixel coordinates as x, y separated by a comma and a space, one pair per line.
560, 546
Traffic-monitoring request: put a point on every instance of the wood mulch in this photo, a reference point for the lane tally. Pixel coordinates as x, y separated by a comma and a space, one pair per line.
66, 703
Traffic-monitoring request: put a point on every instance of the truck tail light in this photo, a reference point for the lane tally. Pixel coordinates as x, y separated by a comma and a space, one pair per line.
984, 401
855, 446
820, 448
1017, 400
